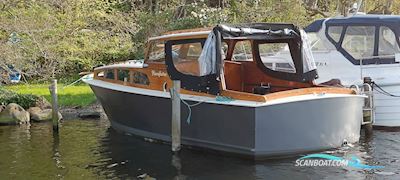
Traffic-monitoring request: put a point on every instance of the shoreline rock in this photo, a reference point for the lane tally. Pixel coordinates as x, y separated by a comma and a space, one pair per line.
39, 115
42, 103
2, 107
14, 114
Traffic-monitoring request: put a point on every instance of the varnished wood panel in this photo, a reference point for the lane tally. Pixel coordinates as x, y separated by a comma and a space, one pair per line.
305, 91
255, 76
189, 30
233, 75
243, 96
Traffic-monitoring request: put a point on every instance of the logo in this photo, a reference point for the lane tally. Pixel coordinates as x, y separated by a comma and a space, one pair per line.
158, 73
330, 160
321, 63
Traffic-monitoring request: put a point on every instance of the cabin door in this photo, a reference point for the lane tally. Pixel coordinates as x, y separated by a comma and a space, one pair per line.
184, 64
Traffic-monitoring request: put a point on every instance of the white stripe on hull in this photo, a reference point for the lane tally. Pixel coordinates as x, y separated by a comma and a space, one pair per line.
156, 93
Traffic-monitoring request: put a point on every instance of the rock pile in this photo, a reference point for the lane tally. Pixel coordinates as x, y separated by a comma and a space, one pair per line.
15, 114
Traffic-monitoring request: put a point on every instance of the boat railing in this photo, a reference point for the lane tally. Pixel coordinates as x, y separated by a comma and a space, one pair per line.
368, 108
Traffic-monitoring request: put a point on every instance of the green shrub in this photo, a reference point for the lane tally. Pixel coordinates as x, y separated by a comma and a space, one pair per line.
24, 100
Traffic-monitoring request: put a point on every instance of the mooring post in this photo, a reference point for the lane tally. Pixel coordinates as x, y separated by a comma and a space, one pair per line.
176, 116
54, 104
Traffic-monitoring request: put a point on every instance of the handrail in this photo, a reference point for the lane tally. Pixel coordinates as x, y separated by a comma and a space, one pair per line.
356, 87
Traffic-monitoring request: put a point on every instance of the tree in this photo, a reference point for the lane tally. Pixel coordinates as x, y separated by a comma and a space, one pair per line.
57, 38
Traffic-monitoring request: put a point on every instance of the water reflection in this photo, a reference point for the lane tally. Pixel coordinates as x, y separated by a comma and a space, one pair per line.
92, 150
157, 161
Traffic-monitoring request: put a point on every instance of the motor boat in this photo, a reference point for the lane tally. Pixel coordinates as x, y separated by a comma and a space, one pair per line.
240, 92
357, 47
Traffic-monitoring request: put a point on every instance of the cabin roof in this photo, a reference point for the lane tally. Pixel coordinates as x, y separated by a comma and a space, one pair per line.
253, 28
356, 19
183, 34
370, 19
188, 30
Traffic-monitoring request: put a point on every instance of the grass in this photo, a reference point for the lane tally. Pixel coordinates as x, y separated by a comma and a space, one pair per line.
78, 95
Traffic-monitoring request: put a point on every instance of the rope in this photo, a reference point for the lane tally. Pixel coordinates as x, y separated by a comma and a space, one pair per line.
72, 83
224, 99
382, 91
189, 106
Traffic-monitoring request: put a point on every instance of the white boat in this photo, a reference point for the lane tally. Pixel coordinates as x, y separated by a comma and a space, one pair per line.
359, 46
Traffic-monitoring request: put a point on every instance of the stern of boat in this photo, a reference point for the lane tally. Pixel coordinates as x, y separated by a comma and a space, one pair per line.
308, 123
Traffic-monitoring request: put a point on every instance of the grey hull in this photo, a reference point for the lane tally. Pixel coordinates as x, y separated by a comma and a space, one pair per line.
259, 132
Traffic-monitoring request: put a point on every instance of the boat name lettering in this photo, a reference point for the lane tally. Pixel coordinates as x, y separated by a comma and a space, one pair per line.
158, 73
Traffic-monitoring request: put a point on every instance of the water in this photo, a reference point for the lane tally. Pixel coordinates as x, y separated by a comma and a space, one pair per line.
92, 150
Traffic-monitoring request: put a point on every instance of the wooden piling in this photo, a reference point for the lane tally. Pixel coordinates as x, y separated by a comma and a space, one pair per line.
176, 116
54, 104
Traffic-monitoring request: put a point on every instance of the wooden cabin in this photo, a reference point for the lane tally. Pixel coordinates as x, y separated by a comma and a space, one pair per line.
240, 75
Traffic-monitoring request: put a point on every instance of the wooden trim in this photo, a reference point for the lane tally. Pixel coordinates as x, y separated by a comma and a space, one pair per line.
188, 30
147, 46
311, 90
197, 36
157, 82
116, 74
243, 96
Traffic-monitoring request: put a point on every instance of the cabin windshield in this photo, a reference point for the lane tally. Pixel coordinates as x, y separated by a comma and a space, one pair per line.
387, 42
277, 57
280, 50
156, 52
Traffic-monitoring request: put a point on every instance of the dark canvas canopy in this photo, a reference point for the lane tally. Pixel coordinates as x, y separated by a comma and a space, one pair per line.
258, 31
276, 33
211, 62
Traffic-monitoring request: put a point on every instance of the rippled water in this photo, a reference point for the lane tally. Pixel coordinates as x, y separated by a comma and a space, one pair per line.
92, 150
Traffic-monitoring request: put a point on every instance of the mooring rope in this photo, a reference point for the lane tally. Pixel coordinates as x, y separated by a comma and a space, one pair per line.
382, 91
72, 83
189, 106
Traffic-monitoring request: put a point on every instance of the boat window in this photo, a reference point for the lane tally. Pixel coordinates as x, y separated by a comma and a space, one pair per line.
335, 32
100, 74
359, 41
185, 58
156, 51
242, 51
224, 50
277, 57
387, 42
316, 42
140, 78
109, 73
122, 74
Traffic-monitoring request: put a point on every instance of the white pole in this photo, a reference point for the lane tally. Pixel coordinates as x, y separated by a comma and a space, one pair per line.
176, 116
